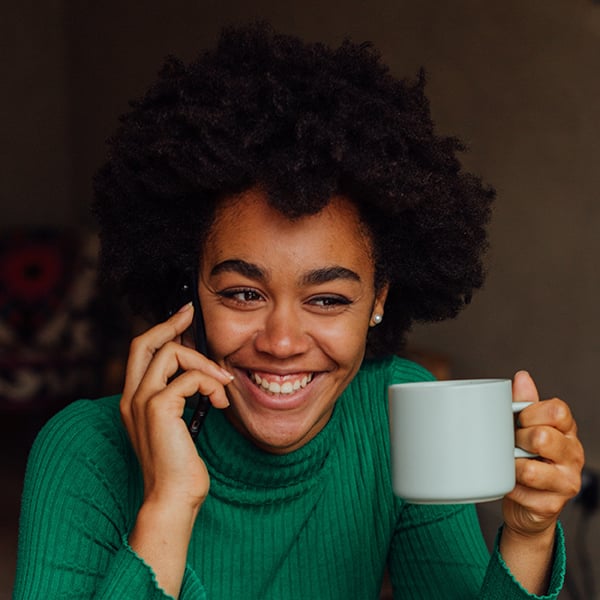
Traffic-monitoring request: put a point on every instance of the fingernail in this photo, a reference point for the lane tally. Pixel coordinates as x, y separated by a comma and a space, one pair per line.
227, 374
185, 307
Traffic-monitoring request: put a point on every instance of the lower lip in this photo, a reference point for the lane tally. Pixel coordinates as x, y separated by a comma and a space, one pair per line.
257, 395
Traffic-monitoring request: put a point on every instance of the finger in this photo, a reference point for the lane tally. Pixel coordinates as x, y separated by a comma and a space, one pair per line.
524, 388
199, 375
126, 417
539, 505
157, 413
173, 357
547, 477
144, 347
553, 413
547, 442
168, 404
191, 382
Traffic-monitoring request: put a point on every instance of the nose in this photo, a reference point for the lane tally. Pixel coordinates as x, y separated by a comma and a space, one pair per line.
283, 333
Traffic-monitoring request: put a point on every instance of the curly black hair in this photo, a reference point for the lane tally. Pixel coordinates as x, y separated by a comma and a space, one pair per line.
304, 122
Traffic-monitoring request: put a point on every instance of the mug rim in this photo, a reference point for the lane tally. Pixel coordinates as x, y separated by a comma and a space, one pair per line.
453, 383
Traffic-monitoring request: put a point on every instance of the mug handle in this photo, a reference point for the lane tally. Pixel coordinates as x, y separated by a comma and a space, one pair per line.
517, 407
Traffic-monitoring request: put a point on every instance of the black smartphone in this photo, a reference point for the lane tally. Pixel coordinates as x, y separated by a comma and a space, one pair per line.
187, 291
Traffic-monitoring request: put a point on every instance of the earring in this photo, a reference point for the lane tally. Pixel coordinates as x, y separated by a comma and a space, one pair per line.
377, 318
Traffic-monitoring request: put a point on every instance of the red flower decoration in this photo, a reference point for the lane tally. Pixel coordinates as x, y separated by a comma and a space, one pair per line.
36, 269
32, 272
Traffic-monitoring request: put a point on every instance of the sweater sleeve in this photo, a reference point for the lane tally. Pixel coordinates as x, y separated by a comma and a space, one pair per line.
498, 576
439, 552
79, 501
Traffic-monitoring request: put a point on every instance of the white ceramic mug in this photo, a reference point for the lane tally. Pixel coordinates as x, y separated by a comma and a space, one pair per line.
453, 441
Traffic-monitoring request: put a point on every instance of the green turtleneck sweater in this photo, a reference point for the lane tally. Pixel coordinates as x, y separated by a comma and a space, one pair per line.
321, 522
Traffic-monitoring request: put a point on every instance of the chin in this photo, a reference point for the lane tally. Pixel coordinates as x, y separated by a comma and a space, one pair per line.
277, 434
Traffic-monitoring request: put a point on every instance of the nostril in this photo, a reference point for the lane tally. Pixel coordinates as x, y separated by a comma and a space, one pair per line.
282, 337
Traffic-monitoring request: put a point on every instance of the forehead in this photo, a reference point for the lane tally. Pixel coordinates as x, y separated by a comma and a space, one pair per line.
247, 227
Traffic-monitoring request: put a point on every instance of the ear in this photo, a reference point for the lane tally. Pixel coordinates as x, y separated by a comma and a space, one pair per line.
378, 305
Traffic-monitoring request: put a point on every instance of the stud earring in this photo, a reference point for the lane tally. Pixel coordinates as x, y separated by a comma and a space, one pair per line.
377, 318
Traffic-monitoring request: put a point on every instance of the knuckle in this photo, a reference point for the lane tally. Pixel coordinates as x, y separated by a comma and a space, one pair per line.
170, 346
529, 473
559, 411
153, 406
576, 454
125, 412
573, 487
539, 438
554, 505
558, 504
136, 344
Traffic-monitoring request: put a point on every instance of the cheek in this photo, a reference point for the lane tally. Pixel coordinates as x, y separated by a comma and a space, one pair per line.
345, 342
341, 340
229, 335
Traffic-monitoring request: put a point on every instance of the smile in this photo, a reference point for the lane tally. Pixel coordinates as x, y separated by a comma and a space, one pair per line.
276, 384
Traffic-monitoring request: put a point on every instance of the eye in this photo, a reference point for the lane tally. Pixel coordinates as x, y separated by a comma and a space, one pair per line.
243, 297
329, 302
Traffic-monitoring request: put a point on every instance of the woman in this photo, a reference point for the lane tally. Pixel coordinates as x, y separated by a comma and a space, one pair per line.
302, 194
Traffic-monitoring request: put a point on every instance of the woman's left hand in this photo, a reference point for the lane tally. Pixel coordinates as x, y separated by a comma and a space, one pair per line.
544, 485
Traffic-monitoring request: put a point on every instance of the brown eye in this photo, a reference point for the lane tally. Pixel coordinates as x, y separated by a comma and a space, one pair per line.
241, 296
329, 301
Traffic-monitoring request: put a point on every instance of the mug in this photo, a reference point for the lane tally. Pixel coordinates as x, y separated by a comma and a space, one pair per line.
453, 441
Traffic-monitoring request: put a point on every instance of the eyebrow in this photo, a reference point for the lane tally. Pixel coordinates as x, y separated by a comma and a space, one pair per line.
315, 277
242, 267
327, 274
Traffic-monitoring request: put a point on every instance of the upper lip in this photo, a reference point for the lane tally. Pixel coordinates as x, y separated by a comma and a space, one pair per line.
278, 377
279, 374
278, 384
274, 372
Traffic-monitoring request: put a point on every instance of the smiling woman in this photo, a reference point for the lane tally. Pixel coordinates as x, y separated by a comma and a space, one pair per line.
287, 305
303, 194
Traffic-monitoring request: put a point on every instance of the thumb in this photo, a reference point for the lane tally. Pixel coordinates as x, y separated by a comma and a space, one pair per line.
524, 388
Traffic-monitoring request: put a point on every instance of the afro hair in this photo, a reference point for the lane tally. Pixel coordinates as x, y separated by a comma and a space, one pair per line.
304, 122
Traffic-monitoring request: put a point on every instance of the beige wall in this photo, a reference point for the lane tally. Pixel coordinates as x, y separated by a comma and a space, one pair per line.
518, 80
522, 86
35, 161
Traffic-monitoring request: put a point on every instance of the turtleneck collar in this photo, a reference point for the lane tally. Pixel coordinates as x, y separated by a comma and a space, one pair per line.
243, 473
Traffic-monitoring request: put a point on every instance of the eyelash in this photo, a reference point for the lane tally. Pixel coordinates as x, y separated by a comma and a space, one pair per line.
231, 295
330, 302
326, 302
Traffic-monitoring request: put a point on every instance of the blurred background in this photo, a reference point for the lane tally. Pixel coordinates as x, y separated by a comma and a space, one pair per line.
518, 81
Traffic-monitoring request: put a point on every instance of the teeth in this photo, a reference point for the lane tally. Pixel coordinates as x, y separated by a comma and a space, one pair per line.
287, 387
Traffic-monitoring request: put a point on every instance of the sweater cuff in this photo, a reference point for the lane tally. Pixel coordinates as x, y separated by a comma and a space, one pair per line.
191, 588
499, 577
130, 577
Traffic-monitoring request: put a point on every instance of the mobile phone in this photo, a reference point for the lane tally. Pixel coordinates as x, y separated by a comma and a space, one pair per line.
187, 291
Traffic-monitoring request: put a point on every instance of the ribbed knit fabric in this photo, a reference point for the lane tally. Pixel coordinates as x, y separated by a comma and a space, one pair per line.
319, 523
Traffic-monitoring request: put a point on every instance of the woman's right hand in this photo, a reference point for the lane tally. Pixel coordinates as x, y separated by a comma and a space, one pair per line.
176, 481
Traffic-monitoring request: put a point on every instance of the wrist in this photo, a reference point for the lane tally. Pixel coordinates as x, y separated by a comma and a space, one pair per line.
529, 556
161, 537
541, 538
172, 499
171, 512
